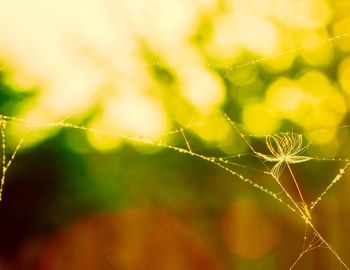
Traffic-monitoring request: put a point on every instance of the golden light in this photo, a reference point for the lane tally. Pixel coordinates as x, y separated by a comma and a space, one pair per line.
202, 88
162, 22
279, 60
341, 27
316, 86
261, 8
79, 57
223, 47
235, 31
259, 119
325, 106
344, 75
321, 53
256, 34
327, 139
243, 76
101, 142
215, 128
136, 114
302, 14
72, 50
127, 115
331, 111
285, 97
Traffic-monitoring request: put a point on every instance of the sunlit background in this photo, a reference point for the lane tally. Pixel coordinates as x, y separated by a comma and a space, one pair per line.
169, 71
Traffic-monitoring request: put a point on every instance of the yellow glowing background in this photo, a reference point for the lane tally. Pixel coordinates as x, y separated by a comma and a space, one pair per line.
150, 69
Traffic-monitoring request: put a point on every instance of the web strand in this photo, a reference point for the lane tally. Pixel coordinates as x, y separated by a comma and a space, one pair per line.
284, 53
6, 164
316, 242
304, 214
335, 180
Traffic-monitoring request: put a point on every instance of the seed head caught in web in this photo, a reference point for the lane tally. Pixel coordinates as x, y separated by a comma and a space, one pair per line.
285, 148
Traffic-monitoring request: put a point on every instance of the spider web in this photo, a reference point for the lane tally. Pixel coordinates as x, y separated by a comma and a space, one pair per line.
312, 238
225, 163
